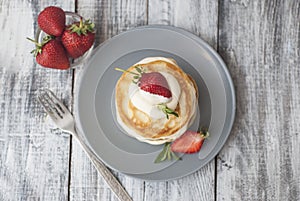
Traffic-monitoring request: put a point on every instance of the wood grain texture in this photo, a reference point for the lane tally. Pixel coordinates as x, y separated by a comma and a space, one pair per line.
34, 157
111, 18
200, 18
259, 41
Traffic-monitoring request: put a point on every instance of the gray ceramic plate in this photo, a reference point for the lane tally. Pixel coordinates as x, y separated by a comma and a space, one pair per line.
94, 103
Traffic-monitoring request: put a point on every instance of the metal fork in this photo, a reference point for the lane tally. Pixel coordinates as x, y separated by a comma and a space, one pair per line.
63, 118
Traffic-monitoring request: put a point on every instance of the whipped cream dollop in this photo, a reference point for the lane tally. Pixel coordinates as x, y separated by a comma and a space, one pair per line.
148, 103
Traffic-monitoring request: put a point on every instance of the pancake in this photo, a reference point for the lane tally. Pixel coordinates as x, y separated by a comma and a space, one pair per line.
151, 125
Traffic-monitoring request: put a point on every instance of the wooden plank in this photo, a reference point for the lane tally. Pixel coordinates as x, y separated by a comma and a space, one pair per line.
201, 18
111, 18
259, 41
198, 17
34, 156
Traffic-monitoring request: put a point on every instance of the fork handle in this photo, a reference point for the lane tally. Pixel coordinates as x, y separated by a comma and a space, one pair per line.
110, 179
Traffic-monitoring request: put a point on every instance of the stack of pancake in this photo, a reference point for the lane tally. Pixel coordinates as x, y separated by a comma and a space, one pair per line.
144, 121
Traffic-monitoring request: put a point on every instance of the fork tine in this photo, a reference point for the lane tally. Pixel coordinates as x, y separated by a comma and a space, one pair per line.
48, 109
58, 103
50, 105
61, 107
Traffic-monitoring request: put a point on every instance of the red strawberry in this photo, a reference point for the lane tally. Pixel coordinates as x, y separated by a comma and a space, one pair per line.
50, 53
155, 83
52, 20
78, 38
189, 142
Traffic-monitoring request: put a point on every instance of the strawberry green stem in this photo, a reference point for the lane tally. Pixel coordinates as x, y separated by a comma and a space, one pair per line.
83, 27
126, 71
80, 23
168, 111
39, 46
204, 132
34, 41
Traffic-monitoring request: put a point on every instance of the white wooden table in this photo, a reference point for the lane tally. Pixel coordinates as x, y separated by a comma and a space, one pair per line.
258, 39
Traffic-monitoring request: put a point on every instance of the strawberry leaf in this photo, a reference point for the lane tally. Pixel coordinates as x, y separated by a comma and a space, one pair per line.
168, 111
175, 156
46, 39
138, 69
126, 71
204, 132
136, 77
162, 155
166, 154
38, 46
82, 27
169, 155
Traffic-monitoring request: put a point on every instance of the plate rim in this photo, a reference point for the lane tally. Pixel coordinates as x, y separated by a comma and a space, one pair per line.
207, 47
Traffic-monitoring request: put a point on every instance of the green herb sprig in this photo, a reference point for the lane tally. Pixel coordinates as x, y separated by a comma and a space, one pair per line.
166, 154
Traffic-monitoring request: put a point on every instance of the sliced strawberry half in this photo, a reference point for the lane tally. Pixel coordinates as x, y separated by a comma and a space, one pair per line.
155, 83
152, 82
190, 142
